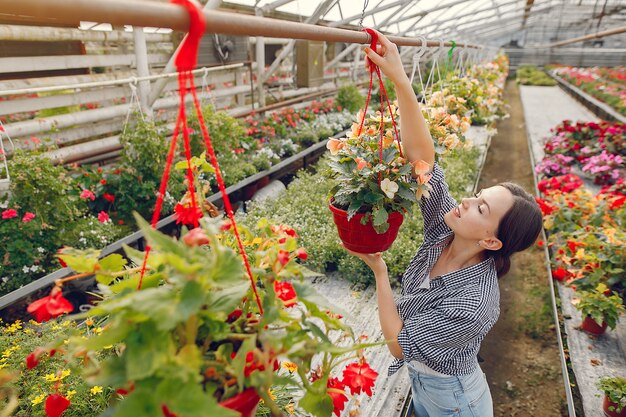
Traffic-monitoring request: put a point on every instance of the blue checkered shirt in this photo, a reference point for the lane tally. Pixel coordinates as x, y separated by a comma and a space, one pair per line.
445, 323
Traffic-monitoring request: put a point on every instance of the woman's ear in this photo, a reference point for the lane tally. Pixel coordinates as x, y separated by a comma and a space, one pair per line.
490, 243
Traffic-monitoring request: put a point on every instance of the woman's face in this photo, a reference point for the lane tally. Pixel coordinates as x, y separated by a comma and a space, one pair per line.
477, 218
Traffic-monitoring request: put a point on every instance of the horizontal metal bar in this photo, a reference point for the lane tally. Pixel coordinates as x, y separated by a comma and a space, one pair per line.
151, 14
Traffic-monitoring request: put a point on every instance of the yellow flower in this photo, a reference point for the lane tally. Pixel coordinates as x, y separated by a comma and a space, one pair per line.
96, 390
290, 408
290, 366
89, 322
97, 330
70, 394
51, 378
65, 373
38, 399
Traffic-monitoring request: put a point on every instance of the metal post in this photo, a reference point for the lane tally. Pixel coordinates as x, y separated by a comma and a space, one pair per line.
143, 70
260, 64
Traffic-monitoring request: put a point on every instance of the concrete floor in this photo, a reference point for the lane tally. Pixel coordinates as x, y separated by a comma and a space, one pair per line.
544, 108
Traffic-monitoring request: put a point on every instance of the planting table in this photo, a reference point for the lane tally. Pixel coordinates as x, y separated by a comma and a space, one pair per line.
544, 108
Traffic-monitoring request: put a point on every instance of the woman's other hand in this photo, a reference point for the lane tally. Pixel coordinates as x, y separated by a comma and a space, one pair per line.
387, 58
374, 260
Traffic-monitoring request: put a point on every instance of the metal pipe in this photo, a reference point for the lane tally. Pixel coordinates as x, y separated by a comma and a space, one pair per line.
143, 70
42, 33
125, 12
597, 35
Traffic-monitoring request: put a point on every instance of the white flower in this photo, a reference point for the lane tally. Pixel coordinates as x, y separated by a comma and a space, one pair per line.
389, 187
25, 269
41, 250
5, 279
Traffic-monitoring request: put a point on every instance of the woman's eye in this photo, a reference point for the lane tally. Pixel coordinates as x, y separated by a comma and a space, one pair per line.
479, 210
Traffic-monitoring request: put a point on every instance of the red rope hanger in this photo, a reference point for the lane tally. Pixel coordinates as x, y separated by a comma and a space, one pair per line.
186, 61
383, 96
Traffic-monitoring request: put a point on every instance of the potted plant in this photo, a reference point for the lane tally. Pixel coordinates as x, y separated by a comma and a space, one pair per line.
373, 186
200, 337
598, 309
614, 388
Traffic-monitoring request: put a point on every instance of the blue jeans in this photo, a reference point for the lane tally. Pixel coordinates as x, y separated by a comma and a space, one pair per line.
453, 396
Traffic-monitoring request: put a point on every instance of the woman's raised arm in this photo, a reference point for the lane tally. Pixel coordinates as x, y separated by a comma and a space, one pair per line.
416, 140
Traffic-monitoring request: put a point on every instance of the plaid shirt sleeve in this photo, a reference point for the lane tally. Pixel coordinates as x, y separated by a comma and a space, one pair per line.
436, 206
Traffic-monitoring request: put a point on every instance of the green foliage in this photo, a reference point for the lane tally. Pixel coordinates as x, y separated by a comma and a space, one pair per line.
33, 386
531, 75
304, 207
350, 98
615, 389
144, 151
227, 133
599, 307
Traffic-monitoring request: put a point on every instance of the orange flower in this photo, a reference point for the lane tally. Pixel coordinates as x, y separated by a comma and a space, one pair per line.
334, 145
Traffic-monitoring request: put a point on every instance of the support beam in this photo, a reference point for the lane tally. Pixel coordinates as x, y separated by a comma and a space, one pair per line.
371, 12
143, 70
156, 14
43, 34
598, 35
319, 12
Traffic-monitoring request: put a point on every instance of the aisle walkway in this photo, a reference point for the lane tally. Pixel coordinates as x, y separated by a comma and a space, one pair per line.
544, 108
521, 352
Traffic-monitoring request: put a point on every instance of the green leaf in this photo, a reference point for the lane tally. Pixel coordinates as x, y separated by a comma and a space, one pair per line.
158, 240
142, 403
380, 216
227, 299
80, 260
372, 198
147, 349
189, 400
112, 263
150, 280
317, 401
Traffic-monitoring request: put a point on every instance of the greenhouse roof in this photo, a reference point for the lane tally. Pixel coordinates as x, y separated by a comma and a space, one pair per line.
495, 22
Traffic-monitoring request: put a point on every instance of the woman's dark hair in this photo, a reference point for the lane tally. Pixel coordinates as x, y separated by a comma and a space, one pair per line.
518, 228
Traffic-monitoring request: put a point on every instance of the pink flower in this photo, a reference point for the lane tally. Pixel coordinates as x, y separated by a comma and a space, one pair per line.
9, 214
28, 217
87, 194
103, 217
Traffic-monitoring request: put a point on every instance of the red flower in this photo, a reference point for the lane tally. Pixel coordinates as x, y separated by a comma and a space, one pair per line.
540, 243
9, 214
339, 398
187, 215
167, 412
617, 202
234, 315
301, 253
87, 194
285, 291
546, 209
573, 245
108, 197
196, 237
103, 182
560, 274
124, 391
56, 404
103, 217
51, 306
360, 376
283, 257
28, 217
32, 360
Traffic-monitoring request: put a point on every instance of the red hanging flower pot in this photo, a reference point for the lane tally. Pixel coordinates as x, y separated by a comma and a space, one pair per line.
590, 326
364, 238
245, 402
608, 403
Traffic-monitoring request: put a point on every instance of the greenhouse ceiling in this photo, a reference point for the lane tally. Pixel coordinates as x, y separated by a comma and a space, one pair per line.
494, 22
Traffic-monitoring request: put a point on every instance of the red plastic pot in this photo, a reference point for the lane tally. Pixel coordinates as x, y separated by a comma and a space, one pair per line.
605, 407
363, 238
590, 326
245, 402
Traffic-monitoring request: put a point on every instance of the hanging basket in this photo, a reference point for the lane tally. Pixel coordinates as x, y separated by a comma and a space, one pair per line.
590, 326
364, 238
245, 402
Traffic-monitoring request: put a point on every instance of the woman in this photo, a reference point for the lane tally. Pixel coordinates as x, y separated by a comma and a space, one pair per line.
450, 296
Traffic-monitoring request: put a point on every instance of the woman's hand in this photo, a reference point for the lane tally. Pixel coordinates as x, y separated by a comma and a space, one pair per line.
387, 58
374, 260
